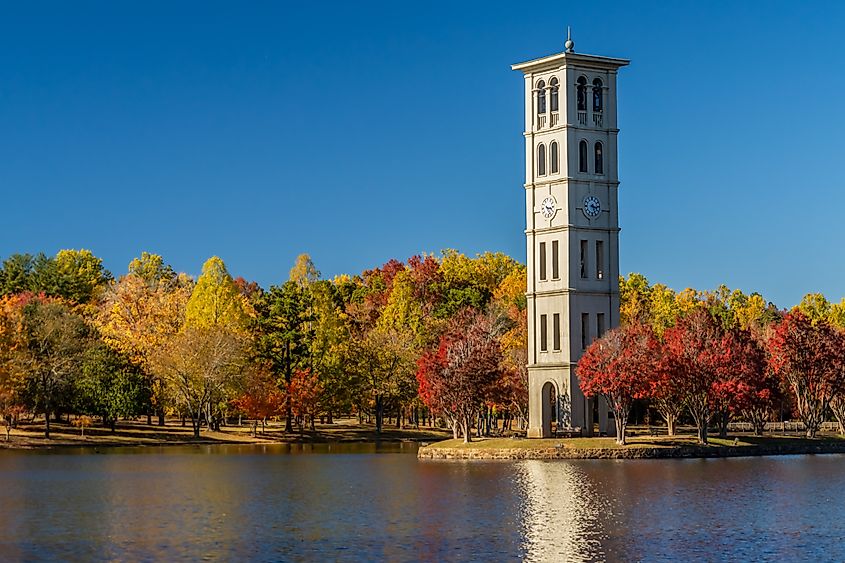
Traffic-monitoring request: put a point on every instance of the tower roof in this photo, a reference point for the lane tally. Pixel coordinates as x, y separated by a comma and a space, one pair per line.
551, 62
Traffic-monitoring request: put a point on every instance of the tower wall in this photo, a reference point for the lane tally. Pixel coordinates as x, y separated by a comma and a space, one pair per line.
572, 230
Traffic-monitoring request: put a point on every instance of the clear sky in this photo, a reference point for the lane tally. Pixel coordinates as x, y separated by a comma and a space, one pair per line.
360, 131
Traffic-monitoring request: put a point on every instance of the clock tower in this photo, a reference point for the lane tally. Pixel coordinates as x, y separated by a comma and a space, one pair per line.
572, 231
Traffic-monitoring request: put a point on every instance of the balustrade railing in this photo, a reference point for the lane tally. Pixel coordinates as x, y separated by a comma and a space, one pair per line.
785, 426
541, 121
597, 119
582, 118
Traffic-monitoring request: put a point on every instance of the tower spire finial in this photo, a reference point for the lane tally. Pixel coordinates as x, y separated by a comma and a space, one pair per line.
570, 44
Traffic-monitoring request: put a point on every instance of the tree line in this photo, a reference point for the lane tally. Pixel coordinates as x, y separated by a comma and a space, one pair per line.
440, 336
153, 342
718, 356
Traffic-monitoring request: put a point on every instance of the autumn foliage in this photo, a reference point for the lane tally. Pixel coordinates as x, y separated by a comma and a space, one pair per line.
618, 367
809, 358
458, 376
438, 339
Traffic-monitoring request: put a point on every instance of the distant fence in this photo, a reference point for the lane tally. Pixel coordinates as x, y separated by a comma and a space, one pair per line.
787, 426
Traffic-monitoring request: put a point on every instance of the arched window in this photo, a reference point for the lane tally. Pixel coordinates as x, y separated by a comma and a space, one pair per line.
554, 93
553, 156
541, 97
581, 90
582, 156
599, 160
541, 160
597, 95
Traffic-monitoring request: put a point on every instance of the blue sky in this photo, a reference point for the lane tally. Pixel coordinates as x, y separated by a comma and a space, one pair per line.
358, 132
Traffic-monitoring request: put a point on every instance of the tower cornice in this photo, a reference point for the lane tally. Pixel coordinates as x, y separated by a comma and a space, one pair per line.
560, 60
564, 127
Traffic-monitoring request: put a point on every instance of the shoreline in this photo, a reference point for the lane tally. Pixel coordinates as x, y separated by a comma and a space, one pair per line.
30, 437
550, 449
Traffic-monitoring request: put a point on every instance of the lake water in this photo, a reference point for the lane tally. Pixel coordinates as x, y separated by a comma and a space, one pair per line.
360, 502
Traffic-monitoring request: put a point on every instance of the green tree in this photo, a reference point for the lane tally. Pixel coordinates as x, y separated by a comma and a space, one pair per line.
51, 346
110, 386
283, 334
471, 282
381, 359
79, 276
330, 333
16, 274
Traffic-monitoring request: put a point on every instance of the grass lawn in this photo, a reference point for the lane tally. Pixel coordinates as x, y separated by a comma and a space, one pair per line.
137, 433
635, 442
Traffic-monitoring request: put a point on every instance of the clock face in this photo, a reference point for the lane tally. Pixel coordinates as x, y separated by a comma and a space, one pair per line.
548, 207
592, 206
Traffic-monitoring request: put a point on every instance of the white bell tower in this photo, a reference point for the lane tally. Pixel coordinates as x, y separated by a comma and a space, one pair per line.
572, 230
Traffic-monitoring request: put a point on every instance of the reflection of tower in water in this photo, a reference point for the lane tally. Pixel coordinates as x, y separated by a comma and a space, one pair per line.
563, 515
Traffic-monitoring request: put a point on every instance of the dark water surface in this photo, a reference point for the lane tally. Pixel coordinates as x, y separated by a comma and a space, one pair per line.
360, 502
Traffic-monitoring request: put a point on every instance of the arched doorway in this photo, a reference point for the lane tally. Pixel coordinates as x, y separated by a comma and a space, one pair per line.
549, 401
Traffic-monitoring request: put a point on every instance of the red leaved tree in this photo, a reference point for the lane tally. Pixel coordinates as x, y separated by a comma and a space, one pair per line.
455, 379
261, 399
304, 393
617, 367
695, 357
808, 357
666, 392
741, 384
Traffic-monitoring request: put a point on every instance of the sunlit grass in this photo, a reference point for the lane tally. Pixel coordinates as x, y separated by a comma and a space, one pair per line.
639, 441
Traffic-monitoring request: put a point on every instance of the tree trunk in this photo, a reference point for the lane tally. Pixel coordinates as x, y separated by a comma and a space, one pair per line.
329, 417
837, 405
149, 418
467, 428
288, 406
724, 421
47, 426
161, 417
701, 414
621, 428
195, 423
669, 410
379, 413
